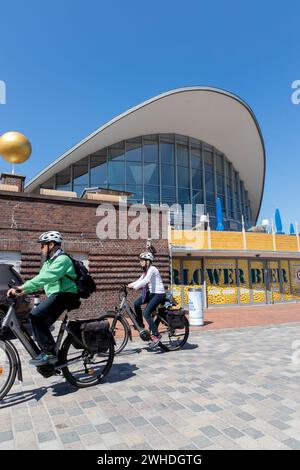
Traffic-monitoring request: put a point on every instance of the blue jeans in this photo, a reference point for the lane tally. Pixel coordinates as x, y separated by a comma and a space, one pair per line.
153, 300
46, 313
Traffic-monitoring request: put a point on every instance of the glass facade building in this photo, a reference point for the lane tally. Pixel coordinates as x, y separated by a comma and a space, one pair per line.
163, 168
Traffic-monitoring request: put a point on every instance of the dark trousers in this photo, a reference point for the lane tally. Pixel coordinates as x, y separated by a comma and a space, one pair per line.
46, 313
153, 300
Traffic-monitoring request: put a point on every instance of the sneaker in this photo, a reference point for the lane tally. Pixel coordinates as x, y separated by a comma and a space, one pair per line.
154, 341
43, 359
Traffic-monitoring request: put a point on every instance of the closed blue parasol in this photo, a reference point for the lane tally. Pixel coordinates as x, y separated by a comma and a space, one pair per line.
278, 222
220, 225
292, 229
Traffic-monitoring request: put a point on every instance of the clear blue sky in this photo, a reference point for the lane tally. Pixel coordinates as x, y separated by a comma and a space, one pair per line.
71, 65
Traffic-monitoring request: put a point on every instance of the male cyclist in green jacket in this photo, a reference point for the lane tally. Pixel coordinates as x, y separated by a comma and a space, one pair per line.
57, 277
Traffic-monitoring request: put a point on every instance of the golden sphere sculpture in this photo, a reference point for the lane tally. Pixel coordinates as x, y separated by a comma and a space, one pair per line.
15, 147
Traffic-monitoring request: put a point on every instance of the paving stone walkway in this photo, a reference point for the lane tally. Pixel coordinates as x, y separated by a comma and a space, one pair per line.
228, 389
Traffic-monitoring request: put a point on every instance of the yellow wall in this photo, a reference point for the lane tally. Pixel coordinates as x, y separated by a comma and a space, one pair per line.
233, 241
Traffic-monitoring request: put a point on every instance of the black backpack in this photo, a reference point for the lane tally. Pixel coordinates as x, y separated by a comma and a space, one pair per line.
85, 283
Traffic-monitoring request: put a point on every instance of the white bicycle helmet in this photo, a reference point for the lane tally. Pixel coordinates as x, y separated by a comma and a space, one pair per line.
51, 236
147, 256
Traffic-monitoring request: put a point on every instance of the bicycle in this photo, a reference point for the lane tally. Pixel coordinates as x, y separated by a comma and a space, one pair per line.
173, 326
80, 366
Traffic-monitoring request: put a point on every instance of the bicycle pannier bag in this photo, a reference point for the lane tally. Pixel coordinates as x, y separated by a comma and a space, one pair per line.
96, 336
176, 319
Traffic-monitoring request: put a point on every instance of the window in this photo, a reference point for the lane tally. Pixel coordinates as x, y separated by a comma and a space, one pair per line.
184, 196
80, 173
50, 184
182, 155
98, 163
166, 153
197, 179
183, 177
137, 197
134, 150
151, 194
116, 172
63, 180
151, 173
167, 175
117, 152
168, 194
196, 158
133, 173
150, 149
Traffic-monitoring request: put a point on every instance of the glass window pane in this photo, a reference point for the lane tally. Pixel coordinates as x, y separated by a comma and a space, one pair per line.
151, 194
220, 184
211, 210
150, 151
117, 151
49, 184
184, 196
219, 163
167, 153
116, 172
64, 177
183, 177
198, 197
133, 173
196, 158
209, 182
182, 155
167, 175
98, 169
168, 194
197, 179
208, 159
79, 190
151, 173
138, 193
134, 150
80, 173
210, 197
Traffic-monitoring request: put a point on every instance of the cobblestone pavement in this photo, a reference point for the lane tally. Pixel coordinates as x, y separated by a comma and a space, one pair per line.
228, 389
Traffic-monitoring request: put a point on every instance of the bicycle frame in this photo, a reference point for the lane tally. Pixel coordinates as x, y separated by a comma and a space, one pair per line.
12, 322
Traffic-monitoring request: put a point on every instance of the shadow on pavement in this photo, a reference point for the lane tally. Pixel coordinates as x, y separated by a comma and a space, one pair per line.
117, 373
190, 346
120, 372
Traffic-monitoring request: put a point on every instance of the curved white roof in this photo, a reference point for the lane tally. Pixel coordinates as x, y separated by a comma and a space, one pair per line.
215, 116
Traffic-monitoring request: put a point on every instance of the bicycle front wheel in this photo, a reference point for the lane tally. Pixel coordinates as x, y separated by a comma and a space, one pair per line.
82, 368
8, 368
118, 328
172, 339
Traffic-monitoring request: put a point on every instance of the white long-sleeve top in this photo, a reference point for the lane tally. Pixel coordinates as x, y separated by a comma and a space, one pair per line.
153, 279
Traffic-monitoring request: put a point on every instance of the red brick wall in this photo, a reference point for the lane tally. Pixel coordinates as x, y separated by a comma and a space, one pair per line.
17, 180
23, 217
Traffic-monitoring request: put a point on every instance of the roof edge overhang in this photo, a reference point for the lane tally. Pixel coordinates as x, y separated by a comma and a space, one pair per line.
78, 151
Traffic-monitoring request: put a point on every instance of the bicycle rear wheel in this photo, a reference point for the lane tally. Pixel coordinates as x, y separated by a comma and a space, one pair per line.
172, 339
8, 368
118, 328
84, 369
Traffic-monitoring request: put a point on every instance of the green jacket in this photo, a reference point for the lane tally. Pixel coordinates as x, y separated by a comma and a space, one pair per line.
52, 277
